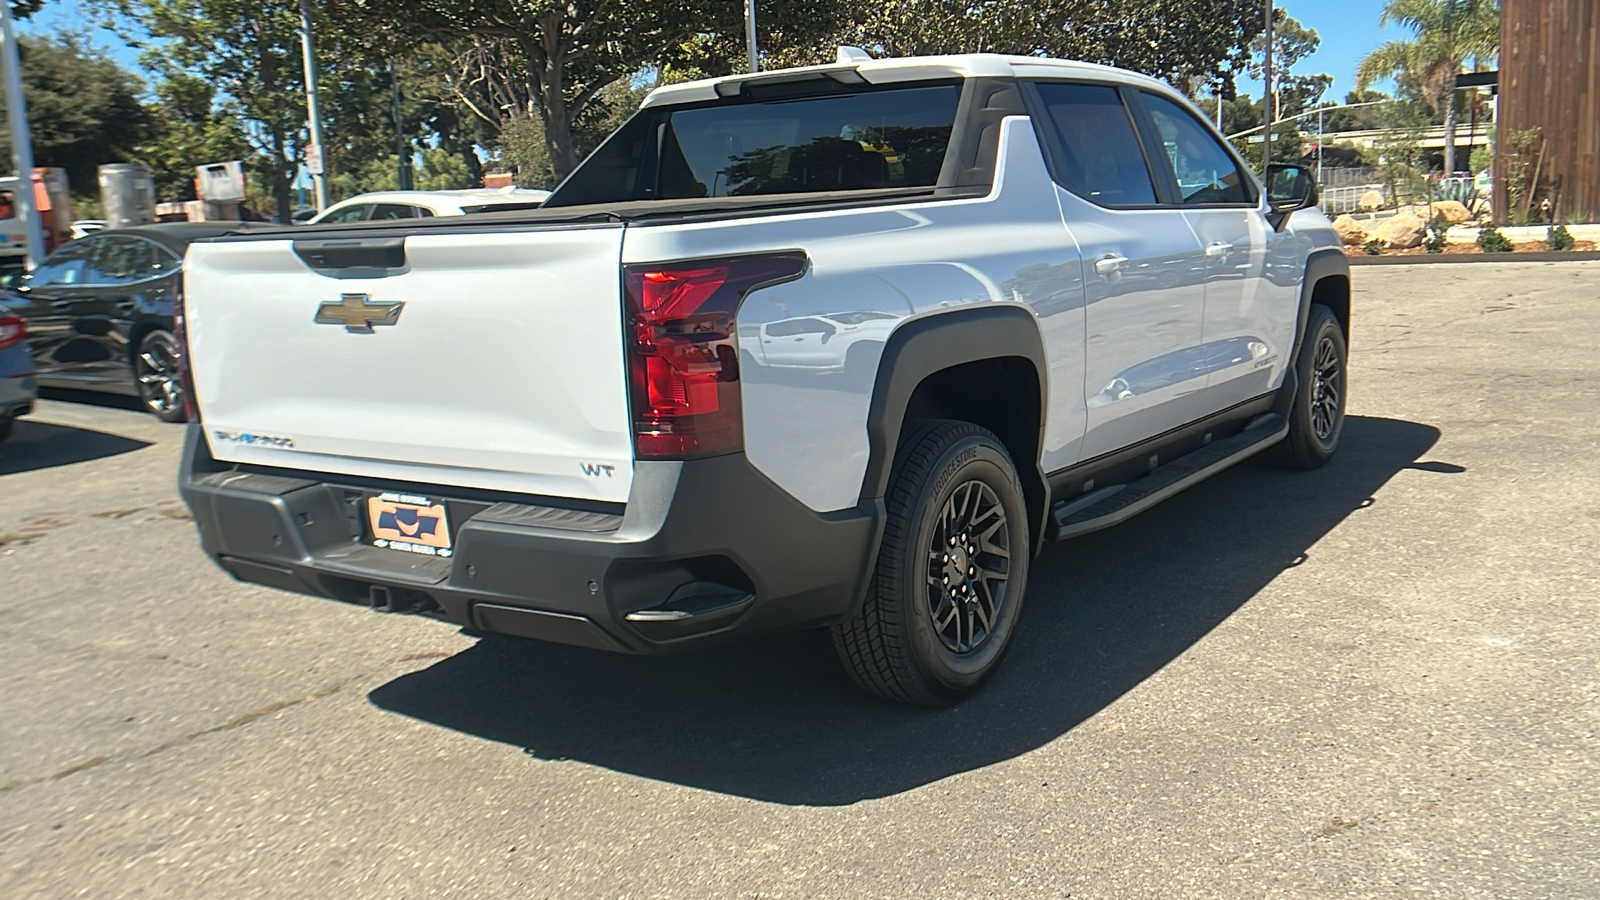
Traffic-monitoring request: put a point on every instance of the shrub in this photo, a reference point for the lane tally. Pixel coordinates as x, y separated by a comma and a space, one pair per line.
1490, 240
1373, 247
1559, 238
1435, 241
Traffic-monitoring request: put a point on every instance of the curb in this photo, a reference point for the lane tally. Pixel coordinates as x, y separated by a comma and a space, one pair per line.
1542, 256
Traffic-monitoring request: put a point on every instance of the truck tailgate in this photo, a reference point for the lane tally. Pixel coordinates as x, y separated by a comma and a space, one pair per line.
502, 368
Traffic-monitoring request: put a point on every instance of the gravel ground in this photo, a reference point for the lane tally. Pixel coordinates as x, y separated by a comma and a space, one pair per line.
1375, 680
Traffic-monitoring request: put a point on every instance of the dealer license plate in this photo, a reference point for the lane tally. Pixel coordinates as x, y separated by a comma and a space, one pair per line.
409, 523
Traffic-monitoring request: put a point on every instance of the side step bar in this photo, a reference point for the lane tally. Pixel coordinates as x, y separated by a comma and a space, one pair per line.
1118, 503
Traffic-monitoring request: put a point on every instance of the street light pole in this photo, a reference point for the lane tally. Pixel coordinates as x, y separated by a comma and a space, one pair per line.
750, 35
1266, 115
21, 141
317, 162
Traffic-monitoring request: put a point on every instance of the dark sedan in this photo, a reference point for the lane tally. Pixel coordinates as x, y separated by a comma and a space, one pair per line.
99, 312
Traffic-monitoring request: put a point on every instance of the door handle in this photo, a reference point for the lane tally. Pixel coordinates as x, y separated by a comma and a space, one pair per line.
61, 304
1110, 265
126, 305
1218, 249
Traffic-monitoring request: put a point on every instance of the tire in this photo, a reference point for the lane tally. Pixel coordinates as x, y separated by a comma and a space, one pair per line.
913, 641
1316, 415
5, 427
155, 376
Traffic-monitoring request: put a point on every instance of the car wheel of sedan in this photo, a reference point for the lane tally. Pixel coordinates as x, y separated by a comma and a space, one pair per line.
155, 374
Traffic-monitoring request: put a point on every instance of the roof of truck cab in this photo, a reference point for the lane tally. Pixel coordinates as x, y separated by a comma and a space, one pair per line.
910, 68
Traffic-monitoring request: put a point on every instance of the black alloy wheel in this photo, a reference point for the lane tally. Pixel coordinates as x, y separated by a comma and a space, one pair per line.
1316, 412
968, 565
156, 375
948, 583
1327, 393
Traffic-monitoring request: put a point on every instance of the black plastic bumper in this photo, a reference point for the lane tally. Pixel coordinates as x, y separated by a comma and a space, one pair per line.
702, 551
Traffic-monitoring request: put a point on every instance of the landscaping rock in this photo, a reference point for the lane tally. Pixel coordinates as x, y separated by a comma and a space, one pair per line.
1401, 232
1372, 200
1454, 212
1350, 231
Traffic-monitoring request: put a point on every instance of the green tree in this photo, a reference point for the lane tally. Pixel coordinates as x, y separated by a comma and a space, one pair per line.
1445, 34
1179, 40
564, 54
435, 170
191, 129
1291, 41
249, 50
83, 108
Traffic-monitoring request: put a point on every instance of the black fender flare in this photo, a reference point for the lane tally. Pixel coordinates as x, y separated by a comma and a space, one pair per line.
923, 347
1321, 264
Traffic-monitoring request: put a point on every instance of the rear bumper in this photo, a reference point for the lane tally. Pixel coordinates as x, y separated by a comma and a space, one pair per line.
17, 391
703, 551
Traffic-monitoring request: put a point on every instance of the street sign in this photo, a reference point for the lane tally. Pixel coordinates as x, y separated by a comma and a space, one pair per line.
314, 159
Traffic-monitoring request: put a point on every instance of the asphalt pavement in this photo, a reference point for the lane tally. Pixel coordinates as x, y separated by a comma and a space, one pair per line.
1379, 679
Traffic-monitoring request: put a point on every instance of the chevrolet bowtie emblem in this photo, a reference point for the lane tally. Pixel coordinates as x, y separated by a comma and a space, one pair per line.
358, 314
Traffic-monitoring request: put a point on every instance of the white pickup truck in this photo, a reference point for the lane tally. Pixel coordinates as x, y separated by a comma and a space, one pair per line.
839, 346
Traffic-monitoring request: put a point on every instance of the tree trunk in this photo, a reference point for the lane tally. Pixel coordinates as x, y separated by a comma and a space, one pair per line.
1450, 128
557, 129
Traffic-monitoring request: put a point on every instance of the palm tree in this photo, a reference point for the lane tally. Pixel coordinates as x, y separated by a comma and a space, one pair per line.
1444, 34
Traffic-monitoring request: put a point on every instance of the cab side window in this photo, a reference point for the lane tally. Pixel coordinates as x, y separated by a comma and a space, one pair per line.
1207, 173
1099, 156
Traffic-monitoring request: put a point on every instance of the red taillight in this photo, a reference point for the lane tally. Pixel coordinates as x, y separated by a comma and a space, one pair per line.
180, 331
683, 354
12, 331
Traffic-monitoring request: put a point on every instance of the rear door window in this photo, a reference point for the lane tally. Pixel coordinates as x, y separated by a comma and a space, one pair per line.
848, 140
1099, 156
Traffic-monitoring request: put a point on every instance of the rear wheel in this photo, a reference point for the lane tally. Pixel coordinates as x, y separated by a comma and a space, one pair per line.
1316, 416
155, 374
948, 585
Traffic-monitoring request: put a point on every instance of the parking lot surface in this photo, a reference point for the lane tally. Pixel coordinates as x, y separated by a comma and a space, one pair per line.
1381, 679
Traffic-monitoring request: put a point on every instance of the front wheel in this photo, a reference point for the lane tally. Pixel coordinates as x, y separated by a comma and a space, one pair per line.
1316, 415
155, 374
947, 589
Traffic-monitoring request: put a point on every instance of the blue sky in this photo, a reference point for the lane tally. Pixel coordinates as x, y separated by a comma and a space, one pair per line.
1348, 28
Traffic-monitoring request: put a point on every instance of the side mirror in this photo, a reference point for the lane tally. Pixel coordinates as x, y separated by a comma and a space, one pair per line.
14, 281
1290, 187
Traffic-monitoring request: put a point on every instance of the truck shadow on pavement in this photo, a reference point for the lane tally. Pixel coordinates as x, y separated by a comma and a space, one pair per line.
777, 720
40, 445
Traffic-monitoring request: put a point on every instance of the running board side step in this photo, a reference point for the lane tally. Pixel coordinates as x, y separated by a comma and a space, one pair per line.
1116, 504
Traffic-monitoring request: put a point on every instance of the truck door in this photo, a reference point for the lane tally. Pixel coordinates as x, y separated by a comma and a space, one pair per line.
1250, 304
1143, 266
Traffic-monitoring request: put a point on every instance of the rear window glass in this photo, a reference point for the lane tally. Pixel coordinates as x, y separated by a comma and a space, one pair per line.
866, 140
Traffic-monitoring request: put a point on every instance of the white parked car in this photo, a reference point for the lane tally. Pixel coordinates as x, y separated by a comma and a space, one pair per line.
385, 205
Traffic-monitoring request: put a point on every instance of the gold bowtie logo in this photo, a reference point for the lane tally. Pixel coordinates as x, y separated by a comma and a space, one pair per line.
358, 314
